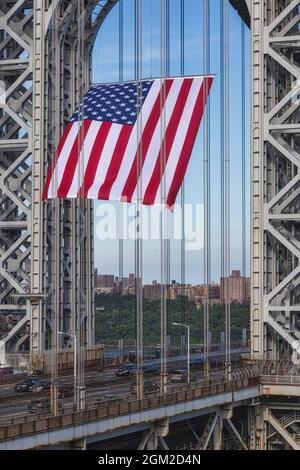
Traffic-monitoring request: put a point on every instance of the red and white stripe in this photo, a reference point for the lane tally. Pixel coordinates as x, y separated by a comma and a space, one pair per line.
146, 161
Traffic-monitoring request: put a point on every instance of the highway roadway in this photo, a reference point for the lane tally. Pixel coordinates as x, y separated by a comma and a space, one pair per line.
99, 383
111, 385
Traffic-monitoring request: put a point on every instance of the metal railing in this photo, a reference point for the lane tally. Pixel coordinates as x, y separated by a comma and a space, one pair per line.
33, 425
280, 379
285, 421
40, 425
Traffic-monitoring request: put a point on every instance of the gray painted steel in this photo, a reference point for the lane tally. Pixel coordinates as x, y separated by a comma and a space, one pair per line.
275, 179
129, 422
46, 249
46, 260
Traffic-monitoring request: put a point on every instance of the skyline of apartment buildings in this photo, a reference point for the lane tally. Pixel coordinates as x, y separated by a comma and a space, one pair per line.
235, 289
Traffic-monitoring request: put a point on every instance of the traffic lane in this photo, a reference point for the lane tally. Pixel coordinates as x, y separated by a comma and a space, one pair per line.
68, 378
121, 391
171, 360
102, 376
102, 384
21, 409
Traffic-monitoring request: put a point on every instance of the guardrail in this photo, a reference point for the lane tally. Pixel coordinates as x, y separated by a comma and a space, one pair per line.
33, 425
103, 412
280, 379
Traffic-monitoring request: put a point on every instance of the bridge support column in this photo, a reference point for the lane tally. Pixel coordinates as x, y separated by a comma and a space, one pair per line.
257, 427
155, 437
79, 444
217, 435
222, 414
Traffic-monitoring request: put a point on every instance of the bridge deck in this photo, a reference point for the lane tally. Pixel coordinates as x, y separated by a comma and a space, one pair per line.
103, 420
100, 423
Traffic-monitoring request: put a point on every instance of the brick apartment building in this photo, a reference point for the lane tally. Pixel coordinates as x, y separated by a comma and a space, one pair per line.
235, 288
104, 281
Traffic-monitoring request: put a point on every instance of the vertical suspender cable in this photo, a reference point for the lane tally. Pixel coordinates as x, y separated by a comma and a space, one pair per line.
182, 250
225, 178
164, 215
121, 221
55, 227
167, 39
243, 100
207, 193
222, 117
228, 192
168, 242
139, 221
182, 37
81, 207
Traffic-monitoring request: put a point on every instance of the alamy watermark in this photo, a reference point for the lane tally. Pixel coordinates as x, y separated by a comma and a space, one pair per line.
151, 223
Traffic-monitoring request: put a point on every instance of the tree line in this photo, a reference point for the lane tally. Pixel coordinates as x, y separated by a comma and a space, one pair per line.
115, 317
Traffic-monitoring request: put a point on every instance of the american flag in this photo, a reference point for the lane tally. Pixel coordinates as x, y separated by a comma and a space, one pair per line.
130, 141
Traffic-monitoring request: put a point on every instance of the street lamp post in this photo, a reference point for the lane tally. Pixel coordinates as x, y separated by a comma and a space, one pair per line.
188, 348
74, 338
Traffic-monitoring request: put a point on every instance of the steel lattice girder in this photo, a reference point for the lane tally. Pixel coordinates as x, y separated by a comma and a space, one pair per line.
38, 54
36, 257
275, 178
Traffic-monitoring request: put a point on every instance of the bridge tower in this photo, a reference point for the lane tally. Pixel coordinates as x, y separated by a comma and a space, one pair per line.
275, 178
275, 310
46, 249
275, 193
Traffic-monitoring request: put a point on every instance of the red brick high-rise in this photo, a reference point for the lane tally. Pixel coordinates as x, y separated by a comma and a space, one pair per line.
235, 288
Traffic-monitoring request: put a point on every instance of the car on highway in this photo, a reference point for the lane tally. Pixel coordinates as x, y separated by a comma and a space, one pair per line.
40, 386
24, 385
105, 400
149, 388
147, 369
126, 370
181, 375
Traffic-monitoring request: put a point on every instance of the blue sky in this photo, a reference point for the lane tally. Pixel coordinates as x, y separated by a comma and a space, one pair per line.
106, 69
